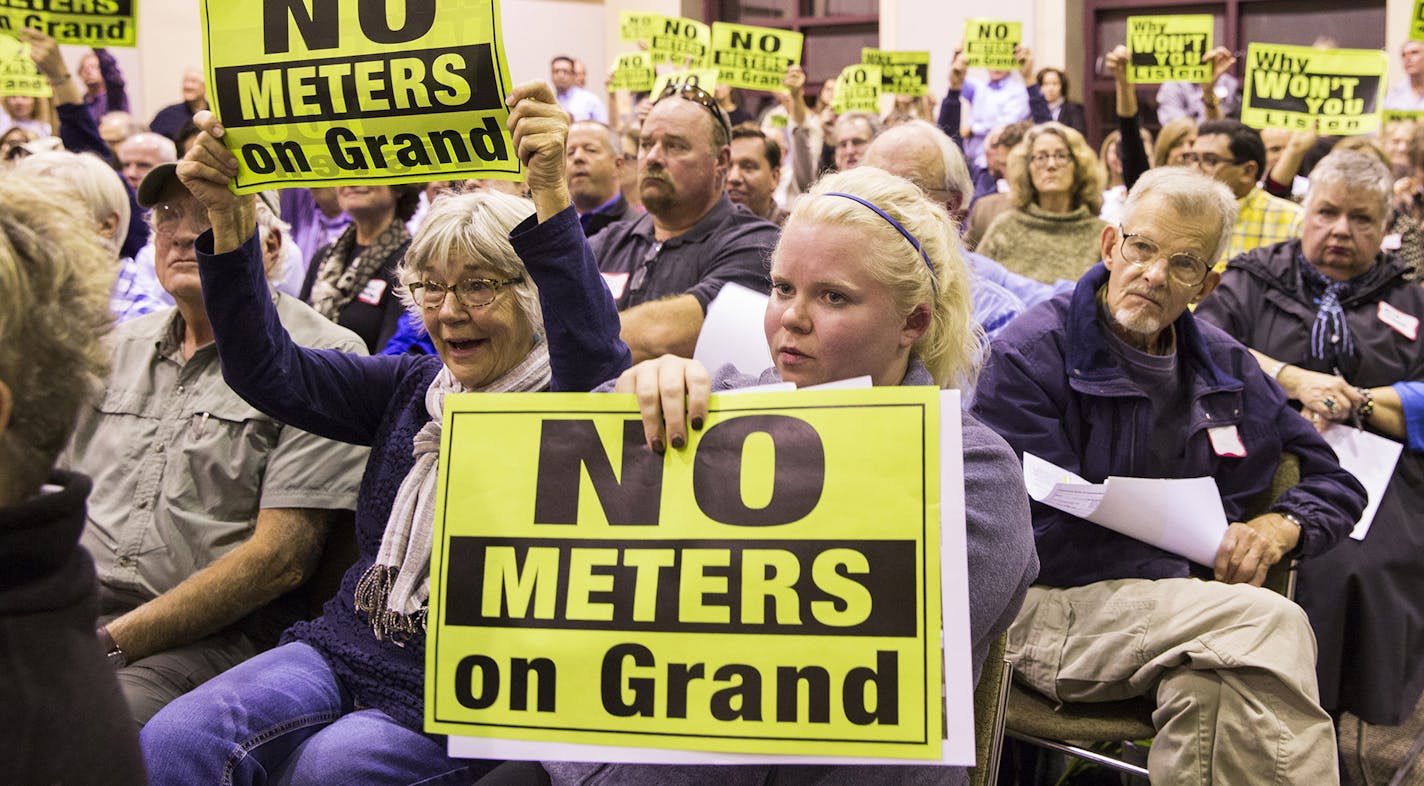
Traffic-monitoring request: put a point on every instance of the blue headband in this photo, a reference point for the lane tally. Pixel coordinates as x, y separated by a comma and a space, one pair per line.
903, 231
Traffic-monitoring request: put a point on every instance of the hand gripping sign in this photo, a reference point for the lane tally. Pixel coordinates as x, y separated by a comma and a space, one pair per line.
326, 92
83, 22
1295, 86
1169, 48
772, 589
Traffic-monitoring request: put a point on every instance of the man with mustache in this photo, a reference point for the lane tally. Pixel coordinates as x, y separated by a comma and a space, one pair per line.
666, 266
1118, 378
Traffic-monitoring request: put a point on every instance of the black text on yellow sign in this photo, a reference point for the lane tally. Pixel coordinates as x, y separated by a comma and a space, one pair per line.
83, 22
588, 590
1169, 48
753, 57
1416, 22
683, 42
901, 73
332, 92
18, 74
633, 71
990, 43
1296, 86
858, 89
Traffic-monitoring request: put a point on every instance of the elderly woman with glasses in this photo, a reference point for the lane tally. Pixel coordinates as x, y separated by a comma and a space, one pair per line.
1056, 187
512, 302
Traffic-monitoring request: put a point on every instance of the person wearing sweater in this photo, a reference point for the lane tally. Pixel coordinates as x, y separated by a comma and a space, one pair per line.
1053, 231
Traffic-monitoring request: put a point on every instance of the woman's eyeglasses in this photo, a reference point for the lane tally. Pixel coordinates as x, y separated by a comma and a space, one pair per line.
469, 292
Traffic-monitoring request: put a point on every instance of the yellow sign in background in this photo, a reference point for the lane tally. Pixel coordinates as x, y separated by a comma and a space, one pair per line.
686, 43
705, 78
334, 95
86, 23
773, 588
633, 71
1416, 22
901, 73
18, 74
858, 89
1169, 48
990, 43
1295, 86
753, 57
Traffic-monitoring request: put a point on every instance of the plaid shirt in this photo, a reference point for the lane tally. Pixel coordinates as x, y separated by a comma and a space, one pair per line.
1263, 220
130, 297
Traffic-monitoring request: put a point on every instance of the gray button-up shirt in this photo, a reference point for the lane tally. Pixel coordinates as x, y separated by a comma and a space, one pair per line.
181, 464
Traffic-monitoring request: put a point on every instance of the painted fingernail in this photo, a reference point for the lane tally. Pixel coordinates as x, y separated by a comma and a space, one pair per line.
697, 423
658, 447
678, 441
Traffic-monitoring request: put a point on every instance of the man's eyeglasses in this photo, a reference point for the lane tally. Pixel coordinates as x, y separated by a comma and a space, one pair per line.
1183, 268
469, 292
167, 217
1059, 157
1208, 160
691, 92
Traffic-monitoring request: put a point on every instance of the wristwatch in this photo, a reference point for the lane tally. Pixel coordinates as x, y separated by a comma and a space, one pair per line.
112, 652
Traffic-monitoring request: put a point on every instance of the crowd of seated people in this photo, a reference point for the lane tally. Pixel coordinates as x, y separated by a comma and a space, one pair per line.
272, 368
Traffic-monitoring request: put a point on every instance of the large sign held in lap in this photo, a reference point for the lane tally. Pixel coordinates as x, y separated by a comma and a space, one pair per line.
325, 92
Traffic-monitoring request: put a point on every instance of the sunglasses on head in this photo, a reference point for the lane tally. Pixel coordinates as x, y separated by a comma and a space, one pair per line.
691, 92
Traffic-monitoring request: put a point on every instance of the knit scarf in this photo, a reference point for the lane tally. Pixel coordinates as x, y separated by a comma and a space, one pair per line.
1330, 338
394, 590
340, 278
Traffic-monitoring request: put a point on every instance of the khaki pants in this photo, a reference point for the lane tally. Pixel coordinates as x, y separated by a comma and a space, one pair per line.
148, 684
1231, 668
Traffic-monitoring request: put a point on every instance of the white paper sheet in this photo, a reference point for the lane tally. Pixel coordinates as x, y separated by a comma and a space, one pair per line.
1180, 515
1371, 459
958, 745
732, 331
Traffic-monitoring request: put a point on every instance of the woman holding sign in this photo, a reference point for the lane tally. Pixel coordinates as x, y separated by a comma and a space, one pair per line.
1056, 186
342, 699
867, 280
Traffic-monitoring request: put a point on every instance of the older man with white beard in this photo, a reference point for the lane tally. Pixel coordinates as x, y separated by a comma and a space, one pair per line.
1118, 378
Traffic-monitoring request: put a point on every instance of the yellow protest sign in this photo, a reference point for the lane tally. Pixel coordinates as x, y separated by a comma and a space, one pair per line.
990, 43
857, 89
1388, 116
635, 26
633, 71
1169, 48
901, 73
18, 74
1416, 22
686, 43
705, 78
753, 57
1294, 86
83, 22
352, 93
771, 589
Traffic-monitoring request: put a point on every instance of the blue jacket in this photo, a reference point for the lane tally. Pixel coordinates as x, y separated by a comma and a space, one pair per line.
1052, 387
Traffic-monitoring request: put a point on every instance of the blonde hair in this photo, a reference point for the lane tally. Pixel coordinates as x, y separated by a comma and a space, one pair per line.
55, 278
1087, 186
952, 344
472, 227
1172, 136
93, 181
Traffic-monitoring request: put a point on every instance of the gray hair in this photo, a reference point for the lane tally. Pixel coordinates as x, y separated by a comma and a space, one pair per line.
1192, 195
472, 227
612, 137
93, 181
1356, 171
167, 151
871, 119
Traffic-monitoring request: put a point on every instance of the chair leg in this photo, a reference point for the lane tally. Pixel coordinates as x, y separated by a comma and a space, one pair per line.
1081, 753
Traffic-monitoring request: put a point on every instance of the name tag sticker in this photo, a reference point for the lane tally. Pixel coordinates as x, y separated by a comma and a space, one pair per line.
1226, 441
616, 282
371, 295
1392, 242
1403, 324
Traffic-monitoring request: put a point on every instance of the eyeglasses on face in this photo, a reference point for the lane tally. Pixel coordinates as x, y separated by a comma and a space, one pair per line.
1059, 157
1208, 160
690, 91
1141, 251
469, 292
167, 217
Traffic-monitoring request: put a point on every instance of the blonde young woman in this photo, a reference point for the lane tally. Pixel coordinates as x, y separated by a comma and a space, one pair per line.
1056, 186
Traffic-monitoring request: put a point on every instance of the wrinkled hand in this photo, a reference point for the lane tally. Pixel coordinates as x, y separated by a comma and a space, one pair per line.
795, 80
1116, 61
1323, 397
45, 52
539, 128
958, 68
1248, 550
671, 391
1302, 139
1221, 61
207, 172
1024, 57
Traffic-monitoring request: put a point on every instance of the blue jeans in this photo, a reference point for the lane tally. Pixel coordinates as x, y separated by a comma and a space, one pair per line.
283, 717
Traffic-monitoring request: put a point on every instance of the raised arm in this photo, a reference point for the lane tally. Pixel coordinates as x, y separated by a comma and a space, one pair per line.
1130, 146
